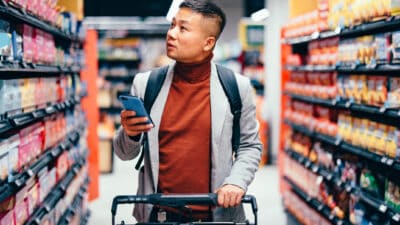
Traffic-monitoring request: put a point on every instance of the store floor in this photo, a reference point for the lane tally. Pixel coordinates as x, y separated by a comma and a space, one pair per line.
123, 181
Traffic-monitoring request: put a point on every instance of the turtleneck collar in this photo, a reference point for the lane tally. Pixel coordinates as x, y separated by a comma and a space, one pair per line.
194, 72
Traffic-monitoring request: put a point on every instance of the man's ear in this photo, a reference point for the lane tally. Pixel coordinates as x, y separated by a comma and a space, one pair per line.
210, 43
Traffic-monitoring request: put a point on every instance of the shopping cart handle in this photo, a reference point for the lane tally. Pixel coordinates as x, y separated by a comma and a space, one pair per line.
176, 201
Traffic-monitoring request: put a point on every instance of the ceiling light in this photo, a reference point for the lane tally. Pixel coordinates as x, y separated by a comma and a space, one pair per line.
173, 9
260, 15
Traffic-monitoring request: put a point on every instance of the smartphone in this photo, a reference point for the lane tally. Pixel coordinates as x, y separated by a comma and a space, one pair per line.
136, 104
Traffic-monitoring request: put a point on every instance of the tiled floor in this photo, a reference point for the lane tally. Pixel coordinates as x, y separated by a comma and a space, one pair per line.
123, 181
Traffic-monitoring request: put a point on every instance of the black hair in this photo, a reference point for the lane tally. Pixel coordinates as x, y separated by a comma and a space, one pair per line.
207, 9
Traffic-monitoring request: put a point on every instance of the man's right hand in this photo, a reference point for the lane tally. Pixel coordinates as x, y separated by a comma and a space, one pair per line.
132, 125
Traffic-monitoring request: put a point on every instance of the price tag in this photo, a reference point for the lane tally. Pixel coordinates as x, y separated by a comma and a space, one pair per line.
383, 208
329, 177
320, 207
308, 164
396, 217
340, 222
390, 162
331, 216
383, 160
315, 169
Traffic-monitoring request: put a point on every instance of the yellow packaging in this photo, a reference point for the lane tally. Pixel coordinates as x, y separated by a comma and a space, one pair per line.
341, 125
394, 7
356, 134
391, 143
349, 129
372, 126
364, 133
381, 137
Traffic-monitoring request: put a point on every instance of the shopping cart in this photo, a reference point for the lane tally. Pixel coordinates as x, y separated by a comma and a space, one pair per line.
179, 202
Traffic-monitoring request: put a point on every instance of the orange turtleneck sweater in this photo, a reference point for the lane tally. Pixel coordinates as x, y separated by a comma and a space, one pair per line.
185, 132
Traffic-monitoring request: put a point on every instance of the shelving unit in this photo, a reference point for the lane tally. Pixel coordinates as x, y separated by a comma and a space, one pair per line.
43, 143
120, 57
303, 144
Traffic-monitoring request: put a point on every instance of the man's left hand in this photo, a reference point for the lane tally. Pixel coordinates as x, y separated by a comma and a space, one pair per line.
229, 195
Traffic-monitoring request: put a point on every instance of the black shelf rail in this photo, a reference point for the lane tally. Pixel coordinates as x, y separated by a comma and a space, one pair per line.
56, 194
18, 121
123, 79
377, 112
85, 219
341, 145
362, 29
21, 16
120, 61
382, 69
72, 209
329, 176
10, 70
291, 218
324, 210
10, 189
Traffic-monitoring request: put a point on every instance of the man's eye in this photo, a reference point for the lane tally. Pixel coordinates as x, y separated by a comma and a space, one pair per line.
183, 28
172, 25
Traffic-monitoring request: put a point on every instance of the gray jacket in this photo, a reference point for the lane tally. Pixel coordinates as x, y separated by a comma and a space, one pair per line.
225, 169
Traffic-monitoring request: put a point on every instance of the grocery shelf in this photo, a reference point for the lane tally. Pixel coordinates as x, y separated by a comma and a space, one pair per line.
380, 160
21, 16
18, 121
354, 107
372, 201
311, 68
316, 205
362, 29
126, 62
71, 210
350, 69
55, 195
18, 69
48, 157
380, 206
85, 218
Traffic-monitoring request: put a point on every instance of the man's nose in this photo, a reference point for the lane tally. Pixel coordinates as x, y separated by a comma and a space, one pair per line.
172, 33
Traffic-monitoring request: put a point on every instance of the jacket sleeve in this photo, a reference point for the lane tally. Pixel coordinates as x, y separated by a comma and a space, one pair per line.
248, 155
124, 146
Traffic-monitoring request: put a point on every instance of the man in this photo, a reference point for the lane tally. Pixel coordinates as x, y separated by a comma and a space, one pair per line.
189, 148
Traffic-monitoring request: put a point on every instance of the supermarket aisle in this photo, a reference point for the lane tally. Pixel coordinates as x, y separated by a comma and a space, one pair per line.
123, 181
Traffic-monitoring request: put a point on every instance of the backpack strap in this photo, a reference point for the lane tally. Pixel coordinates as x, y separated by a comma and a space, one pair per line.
229, 84
153, 87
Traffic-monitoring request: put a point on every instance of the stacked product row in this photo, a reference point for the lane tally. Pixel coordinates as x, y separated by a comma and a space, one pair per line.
374, 136
49, 11
369, 50
333, 14
24, 43
28, 94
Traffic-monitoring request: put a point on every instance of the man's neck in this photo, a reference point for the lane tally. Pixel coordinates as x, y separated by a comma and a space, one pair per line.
194, 72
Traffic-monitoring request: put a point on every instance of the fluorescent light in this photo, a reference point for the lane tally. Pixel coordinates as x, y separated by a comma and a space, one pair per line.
260, 15
173, 9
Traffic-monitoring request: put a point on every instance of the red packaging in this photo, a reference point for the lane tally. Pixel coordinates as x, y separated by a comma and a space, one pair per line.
7, 218
32, 6
20, 213
40, 46
28, 42
62, 166
33, 198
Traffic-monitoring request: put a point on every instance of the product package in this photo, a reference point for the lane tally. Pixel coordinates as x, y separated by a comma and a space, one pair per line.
7, 218
6, 49
3, 160
392, 195
396, 47
393, 100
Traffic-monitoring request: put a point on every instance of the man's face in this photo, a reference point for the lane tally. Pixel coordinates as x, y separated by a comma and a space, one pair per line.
188, 39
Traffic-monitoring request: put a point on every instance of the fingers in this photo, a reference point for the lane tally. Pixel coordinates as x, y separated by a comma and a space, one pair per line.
132, 125
229, 196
